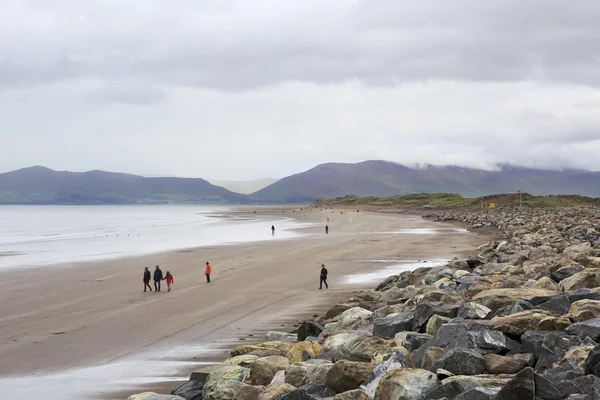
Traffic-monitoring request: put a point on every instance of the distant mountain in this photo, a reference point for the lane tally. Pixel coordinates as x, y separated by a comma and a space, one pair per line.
382, 178
245, 187
40, 185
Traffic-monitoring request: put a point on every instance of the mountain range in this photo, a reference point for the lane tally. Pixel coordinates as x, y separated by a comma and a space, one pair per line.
40, 185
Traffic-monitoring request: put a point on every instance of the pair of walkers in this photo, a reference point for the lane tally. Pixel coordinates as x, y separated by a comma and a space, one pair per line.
158, 277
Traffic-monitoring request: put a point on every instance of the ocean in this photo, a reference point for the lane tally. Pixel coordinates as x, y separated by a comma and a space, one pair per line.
38, 236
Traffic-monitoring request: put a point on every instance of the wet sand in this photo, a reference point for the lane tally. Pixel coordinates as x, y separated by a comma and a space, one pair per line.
87, 321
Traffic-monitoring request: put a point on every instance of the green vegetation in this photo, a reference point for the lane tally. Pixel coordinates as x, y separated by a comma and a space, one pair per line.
449, 200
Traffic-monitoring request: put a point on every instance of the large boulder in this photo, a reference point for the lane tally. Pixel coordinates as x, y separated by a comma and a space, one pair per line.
398, 322
354, 318
280, 347
352, 395
424, 311
529, 385
407, 384
478, 393
462, 362
411, 340
583, 310
473, 310
273, 336
355, 347
496, 299
496, 364
391, 362
592, 363
309, 392
242, 361
431, 358
223, 383
190, 390
553, 349
154, 396
348, 375
307, 329
263, 370
589, 328
248, 392
519, 323
302, 350
275, 391
584, 279
435, 323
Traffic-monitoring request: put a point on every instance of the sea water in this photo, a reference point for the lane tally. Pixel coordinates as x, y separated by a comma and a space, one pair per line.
34, 236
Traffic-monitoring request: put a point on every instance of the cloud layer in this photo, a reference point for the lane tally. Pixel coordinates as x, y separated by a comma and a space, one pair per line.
236, 89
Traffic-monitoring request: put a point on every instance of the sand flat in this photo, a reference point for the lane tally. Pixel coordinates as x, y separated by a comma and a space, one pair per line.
54, 319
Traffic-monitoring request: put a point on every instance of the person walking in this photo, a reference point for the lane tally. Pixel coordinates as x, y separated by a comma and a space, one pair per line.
273, 229
158, 276
327, 229
208, 271
147, 277
170, 280
323, 277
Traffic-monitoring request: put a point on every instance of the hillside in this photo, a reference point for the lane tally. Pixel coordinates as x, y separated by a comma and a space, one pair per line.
384, 179
244, 187
40, 185
448, 200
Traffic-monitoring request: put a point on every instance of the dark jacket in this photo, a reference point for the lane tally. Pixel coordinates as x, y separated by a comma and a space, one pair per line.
323, 273
158, 275
147, 276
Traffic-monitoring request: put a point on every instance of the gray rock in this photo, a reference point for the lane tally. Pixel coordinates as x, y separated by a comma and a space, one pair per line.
473, 310
407, 384
274, 336
553, 349
569, 370
480, 393
592, 362
452, 389
388, 327
190, 390
391, 362
424, 311
529, 385
348, 375
528, 358
589, 328
309, 328
411, 340
583, 385
462, 362
154, 396
309, 392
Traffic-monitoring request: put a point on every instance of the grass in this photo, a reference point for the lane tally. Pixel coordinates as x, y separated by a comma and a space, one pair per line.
449, 200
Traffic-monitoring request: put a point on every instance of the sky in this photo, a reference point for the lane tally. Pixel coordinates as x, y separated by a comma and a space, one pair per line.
247, 89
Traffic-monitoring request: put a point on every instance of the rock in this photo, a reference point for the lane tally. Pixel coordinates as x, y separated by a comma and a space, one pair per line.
354, 318
299, 350
337, 310
576, 250
391, 294
407, 384
473, 310
576, 354
479, 393
202, 374
278, 378
450, 389
431, 358
190, 390
317, 373
566, 272
352, 395
307, 329
496, 364
589, 328
462, 362
591, 365
309, 392
528, 385
388, 327
354, 347
295, 374
583, 310
223, 383
348, 375
582, 385
393, 361
554, 324
584, 279
485, 342
242, 361
553, 349
154, 396
248, 392
435, 323
275, 391
566, 371
263, 370
273, 336
528, 358
545, 283
519, 323
424, 311
411, 340
496, 299
280, 347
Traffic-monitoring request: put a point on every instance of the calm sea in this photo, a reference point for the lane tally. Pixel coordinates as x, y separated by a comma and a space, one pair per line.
33, 236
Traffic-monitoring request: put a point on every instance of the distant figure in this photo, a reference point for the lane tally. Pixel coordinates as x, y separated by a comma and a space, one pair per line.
158, 276
327, 229
327, 219
323, 277
170, 280
273, 229
147, 277
208, 271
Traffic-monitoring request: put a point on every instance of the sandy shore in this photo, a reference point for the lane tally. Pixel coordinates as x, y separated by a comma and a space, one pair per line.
90, 315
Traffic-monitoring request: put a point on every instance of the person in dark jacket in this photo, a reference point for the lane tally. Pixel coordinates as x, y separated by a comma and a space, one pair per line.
147, 277
323, 277
326, 229
158, 276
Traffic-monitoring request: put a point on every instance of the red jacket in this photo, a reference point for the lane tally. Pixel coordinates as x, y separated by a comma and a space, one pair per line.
169, 279
208, 269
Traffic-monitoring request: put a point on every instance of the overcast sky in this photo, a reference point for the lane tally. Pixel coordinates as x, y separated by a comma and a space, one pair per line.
244, 89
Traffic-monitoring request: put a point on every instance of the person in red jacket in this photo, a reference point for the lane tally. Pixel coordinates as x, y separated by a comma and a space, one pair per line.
208, 271
170, 280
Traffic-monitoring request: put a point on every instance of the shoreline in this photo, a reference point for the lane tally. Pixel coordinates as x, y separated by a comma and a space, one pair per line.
297, 252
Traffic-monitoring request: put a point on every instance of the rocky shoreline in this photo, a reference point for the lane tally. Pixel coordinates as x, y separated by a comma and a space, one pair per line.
519, 319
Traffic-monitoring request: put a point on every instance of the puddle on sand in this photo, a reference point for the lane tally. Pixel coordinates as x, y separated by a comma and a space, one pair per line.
98, 381
380, 274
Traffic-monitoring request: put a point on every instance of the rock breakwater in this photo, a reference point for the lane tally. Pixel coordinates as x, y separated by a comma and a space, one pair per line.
519, 319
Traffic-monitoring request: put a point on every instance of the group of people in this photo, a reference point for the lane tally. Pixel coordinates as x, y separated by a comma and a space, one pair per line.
158, 277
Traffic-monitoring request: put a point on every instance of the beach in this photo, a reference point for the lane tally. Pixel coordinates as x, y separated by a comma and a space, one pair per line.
61, 329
